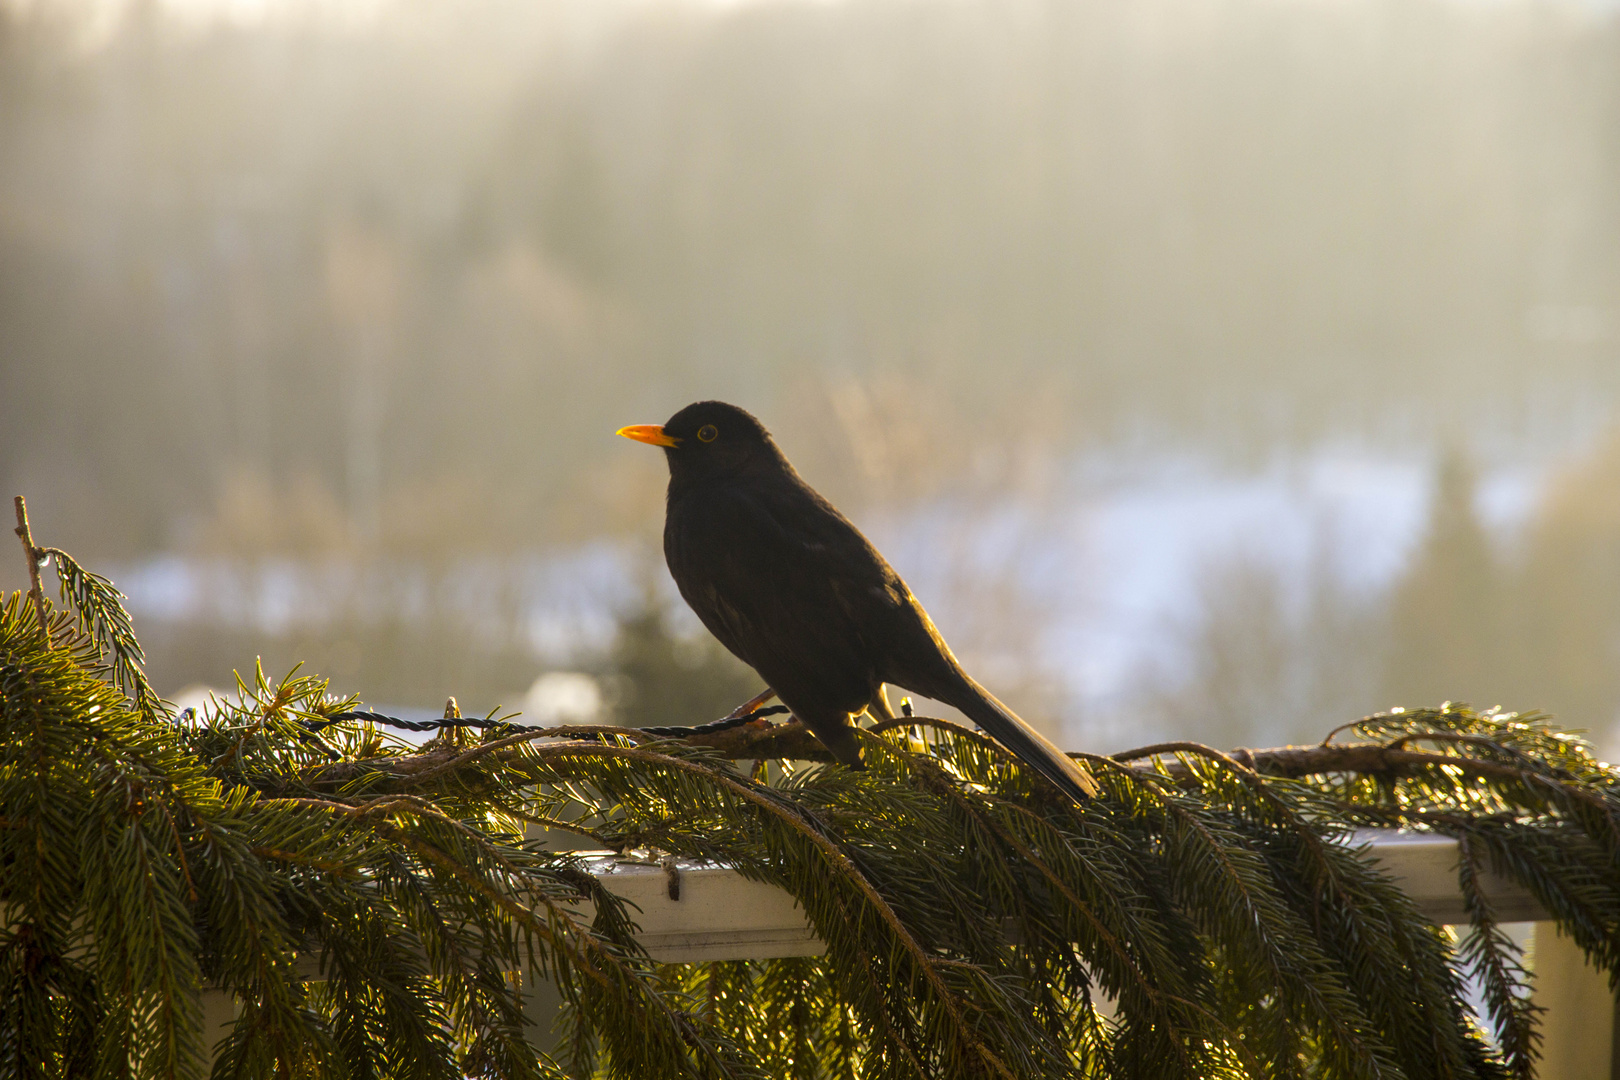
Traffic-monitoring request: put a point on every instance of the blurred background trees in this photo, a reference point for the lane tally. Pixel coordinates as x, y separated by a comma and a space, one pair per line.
317, 321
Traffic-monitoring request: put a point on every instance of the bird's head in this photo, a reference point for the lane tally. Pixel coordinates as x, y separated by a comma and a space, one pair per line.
711, 438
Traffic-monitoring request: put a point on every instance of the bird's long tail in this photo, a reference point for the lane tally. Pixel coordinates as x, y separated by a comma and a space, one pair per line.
1033, 748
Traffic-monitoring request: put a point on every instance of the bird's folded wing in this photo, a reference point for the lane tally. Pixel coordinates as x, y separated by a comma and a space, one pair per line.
778, 582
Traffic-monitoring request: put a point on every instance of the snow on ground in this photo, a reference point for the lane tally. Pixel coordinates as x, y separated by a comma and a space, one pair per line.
1108, 564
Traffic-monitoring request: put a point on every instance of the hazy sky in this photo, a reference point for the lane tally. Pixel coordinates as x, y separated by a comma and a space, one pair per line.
1078, 304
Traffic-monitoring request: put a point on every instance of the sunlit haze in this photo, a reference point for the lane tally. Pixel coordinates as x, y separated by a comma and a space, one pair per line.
1227, 368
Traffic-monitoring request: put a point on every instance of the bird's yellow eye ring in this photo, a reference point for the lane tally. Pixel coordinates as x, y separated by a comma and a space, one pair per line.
708, 433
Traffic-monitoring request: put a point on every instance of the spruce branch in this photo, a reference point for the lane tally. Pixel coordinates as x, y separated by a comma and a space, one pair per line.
1165, 1006
1494, 957
968, 913
36, 588
836, 858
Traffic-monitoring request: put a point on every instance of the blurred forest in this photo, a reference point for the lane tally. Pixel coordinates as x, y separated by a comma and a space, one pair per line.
328, 314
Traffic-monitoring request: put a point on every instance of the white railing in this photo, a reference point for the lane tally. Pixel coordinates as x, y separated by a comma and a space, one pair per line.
694, 912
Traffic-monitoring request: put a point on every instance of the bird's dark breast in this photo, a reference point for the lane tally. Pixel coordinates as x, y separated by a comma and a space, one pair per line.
770, 573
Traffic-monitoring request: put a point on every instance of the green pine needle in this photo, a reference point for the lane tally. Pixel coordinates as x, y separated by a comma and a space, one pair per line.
369, 906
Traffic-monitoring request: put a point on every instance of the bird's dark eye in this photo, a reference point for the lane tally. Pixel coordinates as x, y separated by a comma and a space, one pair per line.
708, 433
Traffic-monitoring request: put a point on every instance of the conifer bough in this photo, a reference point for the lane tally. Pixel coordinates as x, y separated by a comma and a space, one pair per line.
975, 921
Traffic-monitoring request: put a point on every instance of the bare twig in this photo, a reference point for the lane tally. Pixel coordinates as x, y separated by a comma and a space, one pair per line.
1182, 747
1343, 727
33, 554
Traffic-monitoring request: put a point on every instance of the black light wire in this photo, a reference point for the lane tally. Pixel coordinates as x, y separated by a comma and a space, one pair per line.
670, 732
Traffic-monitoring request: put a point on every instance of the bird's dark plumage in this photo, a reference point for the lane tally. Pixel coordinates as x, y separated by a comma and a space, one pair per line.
797, 593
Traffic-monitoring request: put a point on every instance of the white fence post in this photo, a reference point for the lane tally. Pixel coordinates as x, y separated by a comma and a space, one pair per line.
542, 1005
218, 1014
1578, 1028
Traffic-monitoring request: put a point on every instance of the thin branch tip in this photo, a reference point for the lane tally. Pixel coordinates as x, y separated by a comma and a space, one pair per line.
36, 586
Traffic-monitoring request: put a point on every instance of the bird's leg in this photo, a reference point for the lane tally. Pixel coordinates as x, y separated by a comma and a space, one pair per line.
751, 704
838, 736
880, 708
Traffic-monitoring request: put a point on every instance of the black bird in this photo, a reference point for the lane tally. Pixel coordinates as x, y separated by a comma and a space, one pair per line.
798, 594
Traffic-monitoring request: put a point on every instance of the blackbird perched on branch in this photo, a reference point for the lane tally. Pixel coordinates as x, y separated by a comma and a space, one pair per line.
798, 594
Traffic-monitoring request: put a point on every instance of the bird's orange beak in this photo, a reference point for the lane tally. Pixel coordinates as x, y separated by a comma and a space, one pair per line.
652, 434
